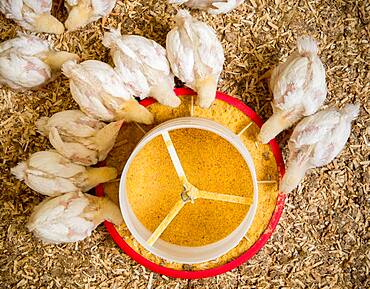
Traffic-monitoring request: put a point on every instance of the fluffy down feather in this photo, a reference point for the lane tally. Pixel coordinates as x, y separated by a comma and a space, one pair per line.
196, 56
316, 141
212, 6
28, 62
83, 12
299, 89
80, 138
101, 94
143, 66
33, 15
71, 217
51, 174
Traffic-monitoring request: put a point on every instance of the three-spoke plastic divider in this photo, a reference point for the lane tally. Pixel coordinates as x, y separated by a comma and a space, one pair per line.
189, 194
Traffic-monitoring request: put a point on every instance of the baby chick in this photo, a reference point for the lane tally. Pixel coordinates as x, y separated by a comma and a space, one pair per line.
212, 6
80, 138
316, 141
83, 12
51, 174
143, 66
33, 15
28, 62
71, 217
299, 89
100, 92
196, 56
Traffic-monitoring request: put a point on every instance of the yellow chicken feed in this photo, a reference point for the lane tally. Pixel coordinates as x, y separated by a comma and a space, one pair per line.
233, 177
210, 163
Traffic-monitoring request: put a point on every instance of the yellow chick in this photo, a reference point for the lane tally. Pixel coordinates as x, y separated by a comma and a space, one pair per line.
196, 56
316, 141
28, 62
83, 12
71, 217
143, 66
211, 6
80, 138
33, 15
51, 174
299, 89
101, 93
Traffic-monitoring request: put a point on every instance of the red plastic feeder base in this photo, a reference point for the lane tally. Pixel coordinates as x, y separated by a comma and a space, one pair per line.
252, 250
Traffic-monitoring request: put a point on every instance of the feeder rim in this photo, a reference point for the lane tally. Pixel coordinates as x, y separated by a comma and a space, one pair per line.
183, 274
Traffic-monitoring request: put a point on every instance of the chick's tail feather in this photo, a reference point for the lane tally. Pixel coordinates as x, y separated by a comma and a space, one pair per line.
48, 24
274, 125
350, 111
19, 171
42, 125
206, 89
293, 176
307, 46
111, 38
182, 17
68, 68
165, 95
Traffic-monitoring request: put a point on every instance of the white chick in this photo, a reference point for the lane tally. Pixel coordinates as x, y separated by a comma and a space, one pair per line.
83, 12
196, 56
212, 6
71, 217
100, 92
143, 66
28, 62
316, 141
80, 138
299, 89
52, 174
33, 15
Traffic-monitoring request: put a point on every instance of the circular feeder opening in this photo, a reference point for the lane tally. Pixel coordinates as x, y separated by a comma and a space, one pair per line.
189, 192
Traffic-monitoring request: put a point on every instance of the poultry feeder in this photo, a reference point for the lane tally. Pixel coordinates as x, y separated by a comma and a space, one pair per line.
188, 194
183, 210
